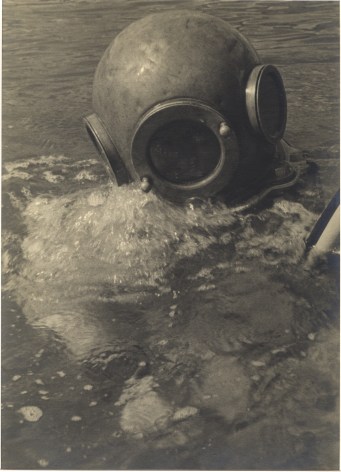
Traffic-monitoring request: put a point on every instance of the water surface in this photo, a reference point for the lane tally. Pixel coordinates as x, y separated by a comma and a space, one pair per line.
141, 335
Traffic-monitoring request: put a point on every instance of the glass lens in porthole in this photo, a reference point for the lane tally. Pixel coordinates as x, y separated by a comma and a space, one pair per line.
184, 151
271, 104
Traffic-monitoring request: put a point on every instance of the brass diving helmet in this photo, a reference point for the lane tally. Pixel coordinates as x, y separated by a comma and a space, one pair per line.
183, 104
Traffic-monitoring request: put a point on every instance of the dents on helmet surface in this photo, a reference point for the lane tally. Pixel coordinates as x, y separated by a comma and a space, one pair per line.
196, 70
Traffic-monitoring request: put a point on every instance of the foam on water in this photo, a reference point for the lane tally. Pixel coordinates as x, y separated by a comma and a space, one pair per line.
216, 325
99, 246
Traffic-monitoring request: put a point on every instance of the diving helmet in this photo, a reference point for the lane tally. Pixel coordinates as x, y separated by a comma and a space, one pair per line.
183, 104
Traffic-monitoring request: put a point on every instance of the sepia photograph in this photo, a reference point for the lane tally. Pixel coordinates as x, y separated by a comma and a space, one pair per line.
170, 235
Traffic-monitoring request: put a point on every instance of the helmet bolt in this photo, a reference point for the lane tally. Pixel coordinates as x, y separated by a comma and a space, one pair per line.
283, 171
224, 130
146, 184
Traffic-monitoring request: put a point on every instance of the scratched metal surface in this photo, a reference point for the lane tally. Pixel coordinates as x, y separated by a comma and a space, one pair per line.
145, 336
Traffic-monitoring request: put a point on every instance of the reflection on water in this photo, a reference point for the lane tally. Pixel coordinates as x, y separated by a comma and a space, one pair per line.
147, 335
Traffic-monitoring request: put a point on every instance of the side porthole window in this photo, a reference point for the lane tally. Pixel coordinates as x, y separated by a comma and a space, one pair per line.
266, 102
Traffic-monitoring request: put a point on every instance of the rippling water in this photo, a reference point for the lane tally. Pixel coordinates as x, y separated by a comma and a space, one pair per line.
144, 335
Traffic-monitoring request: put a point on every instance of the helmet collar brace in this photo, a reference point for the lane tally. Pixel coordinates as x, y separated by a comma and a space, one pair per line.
258, 98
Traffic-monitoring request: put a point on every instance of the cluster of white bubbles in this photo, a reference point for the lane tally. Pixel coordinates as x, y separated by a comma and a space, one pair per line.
117, 242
